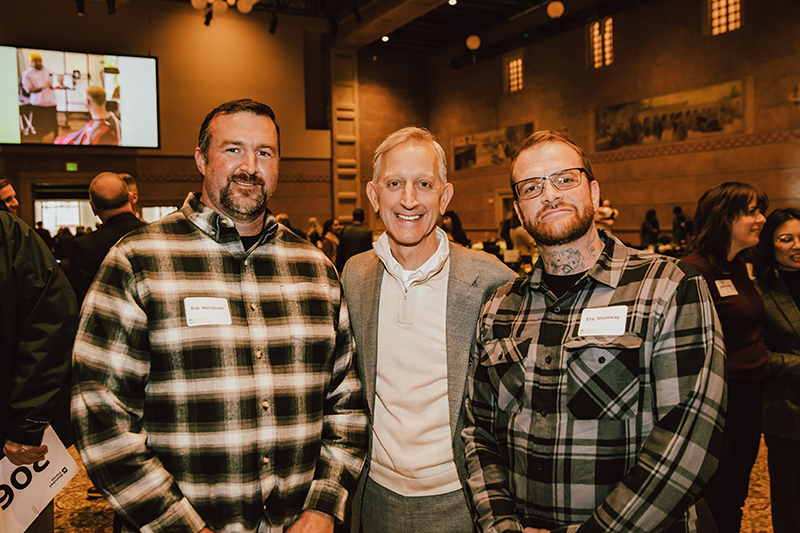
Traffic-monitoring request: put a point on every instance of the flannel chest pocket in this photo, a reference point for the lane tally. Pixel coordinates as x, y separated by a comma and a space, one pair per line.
603, 376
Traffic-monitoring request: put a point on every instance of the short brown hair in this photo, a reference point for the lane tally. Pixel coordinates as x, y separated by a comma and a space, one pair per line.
96, 94
540, 137
243, 105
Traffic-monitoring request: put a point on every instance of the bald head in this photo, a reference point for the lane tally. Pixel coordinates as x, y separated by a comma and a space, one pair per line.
109, 195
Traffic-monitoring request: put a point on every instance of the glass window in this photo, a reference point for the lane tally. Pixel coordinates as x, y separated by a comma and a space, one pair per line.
726, 15
515, 75
602, 43
151, 214
56, 214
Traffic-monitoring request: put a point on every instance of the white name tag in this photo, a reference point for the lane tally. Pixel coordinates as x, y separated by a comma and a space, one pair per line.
603, 321
726, 288
207, 312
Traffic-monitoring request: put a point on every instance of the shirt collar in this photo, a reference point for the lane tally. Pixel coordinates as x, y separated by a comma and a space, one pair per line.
430, 268
607, 269
212, 223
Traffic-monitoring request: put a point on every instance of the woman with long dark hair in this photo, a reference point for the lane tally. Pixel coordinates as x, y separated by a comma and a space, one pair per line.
331, 230
728, 222
778, 282
451, 224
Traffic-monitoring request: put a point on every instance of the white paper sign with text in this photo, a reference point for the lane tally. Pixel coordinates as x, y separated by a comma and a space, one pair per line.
26, 490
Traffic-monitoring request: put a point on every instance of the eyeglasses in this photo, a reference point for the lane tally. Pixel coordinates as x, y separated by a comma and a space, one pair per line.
563, 180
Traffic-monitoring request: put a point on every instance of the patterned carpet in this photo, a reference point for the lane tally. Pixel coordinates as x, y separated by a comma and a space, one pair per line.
757, 511
75, 514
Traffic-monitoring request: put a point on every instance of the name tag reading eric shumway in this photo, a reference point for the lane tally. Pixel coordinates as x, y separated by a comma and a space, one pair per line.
207, 312
603, 321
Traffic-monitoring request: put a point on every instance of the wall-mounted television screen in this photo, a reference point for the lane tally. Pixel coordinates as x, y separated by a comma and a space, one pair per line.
68, 98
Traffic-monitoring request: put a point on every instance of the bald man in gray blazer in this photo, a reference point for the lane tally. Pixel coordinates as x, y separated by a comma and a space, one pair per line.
414, 303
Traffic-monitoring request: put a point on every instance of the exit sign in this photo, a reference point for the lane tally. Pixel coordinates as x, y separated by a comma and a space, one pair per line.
72, 167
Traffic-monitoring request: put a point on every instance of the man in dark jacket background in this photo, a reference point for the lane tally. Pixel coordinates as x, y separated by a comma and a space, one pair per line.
38, 321
355, 238
112, 202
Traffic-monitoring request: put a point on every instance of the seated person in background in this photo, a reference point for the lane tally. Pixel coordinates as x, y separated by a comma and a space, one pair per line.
605, 216
649, 230
522, 239
103, 128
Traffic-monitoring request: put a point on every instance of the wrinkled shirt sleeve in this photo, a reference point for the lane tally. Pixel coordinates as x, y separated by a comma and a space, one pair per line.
111, 367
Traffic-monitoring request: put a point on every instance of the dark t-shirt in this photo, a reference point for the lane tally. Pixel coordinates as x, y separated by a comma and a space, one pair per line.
560, 284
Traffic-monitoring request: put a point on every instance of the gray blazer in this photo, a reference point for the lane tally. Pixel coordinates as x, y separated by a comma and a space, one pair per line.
473, 277
781, 330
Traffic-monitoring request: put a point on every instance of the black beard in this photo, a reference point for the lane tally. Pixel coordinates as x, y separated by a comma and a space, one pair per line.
243, 204
575, 229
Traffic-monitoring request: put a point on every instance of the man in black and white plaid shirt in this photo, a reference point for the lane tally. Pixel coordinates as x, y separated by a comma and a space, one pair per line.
596, 391
214, 385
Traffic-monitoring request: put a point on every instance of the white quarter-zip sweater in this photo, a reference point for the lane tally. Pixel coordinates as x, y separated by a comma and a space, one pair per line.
412, 453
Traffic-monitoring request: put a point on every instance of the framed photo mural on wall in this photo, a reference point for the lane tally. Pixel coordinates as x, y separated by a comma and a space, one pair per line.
717, 110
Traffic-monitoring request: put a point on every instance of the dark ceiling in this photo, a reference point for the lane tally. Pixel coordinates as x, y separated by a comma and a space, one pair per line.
508, 24
454, 23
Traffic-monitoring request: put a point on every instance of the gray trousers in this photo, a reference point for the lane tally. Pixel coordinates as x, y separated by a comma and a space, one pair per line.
384, 511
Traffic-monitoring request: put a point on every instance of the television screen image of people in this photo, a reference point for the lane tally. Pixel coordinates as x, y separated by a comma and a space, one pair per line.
68, 98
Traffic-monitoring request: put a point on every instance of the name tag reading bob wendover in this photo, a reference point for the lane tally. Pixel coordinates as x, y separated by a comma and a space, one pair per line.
207, 312
603, 321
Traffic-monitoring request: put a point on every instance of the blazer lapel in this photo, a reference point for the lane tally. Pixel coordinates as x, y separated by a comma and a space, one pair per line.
370, 301
464, 301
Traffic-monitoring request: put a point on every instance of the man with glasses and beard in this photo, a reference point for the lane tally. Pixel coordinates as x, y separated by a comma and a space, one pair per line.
596, 395
214, 385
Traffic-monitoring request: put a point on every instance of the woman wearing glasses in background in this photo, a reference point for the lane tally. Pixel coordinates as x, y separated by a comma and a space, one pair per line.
728, 222
778, 282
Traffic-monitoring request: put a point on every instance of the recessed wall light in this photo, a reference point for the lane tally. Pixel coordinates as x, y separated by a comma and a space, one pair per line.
385, 38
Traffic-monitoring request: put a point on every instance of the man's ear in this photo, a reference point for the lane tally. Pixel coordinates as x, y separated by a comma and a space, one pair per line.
447, 195
595, 188
372, 194
200, 161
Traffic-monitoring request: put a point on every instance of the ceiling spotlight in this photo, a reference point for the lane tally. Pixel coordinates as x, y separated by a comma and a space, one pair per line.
452, 2
473, 42
555, 9
385, 38
273, 24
